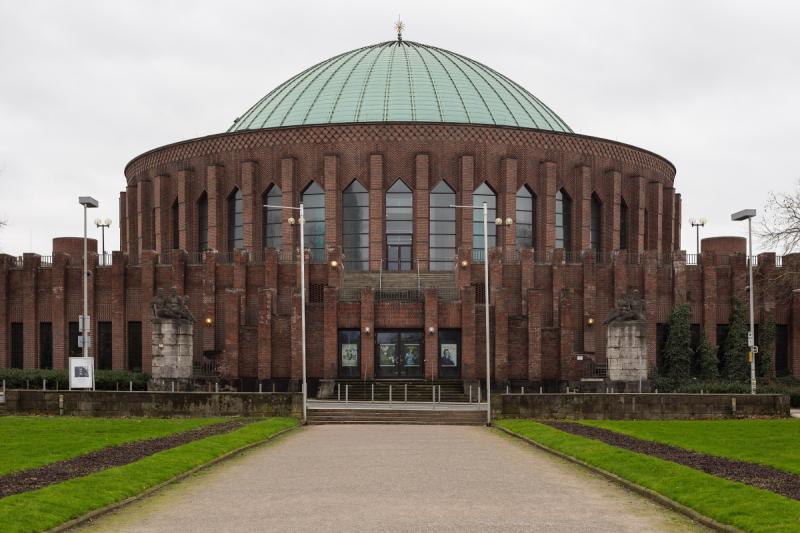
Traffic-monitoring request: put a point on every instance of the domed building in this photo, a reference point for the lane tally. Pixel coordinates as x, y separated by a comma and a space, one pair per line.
387, 148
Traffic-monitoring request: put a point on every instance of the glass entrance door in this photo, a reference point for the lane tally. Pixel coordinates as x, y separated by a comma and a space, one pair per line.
398, 257
399, 354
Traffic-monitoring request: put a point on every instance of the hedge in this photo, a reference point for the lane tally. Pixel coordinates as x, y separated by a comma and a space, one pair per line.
32, 378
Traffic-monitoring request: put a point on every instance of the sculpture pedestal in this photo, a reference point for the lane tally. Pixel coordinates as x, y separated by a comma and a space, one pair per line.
626, 353
172, 345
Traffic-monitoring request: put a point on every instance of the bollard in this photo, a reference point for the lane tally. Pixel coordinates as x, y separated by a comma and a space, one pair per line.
405, 392
433, 395
130, 386
390, 394
260, 387
44, 384
541, 390
173, 386
470, 394
273, 386
346, 394
61, 405
523, 390
372, 394
440, 393
27, 384
338, 392
508, 391
479, 394
216, 386
117, 384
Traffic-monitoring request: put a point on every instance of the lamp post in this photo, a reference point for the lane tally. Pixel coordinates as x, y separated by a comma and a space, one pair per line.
698, 223
748, 214
103, 224
499, 222
302, 222
87, 202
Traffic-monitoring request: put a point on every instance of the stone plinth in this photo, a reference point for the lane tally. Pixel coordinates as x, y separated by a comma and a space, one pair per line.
626, 351
172, 353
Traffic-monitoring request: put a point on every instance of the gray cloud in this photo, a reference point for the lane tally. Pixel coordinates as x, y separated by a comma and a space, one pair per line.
86, 86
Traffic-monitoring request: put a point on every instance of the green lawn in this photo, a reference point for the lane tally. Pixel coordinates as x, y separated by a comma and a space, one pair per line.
48, 507
768, 442
726, 501
31, 441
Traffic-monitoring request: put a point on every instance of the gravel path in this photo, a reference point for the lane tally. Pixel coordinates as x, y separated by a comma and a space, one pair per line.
394, 478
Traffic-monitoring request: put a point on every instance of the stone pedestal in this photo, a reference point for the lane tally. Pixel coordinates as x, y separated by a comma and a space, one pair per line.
172, 354
626, 353
327, 388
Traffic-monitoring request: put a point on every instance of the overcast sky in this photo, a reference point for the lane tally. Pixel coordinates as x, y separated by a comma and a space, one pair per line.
85, 86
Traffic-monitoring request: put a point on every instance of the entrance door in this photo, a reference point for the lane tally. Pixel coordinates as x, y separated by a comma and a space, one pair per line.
398, 257
399, 354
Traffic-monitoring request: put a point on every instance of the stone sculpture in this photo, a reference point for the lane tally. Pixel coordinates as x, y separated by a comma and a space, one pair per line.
172, 306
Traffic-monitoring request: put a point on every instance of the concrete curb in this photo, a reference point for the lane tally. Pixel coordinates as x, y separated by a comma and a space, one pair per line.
642, 491
66, 526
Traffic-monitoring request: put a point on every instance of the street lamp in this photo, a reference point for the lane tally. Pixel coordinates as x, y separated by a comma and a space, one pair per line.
499, 222
748, 214
103, 224
698, 223
302, 222
87, 202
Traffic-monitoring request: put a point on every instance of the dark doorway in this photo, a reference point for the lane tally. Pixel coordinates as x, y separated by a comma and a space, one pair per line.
17, 347
104, 345
135, 346
399, 354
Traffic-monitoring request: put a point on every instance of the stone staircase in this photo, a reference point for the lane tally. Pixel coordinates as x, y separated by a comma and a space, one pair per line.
429, 416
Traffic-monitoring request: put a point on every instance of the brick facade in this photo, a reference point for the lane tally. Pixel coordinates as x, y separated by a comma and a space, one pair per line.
548, 305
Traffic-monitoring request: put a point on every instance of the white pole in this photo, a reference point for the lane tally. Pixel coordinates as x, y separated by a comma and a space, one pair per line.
303, 304
752, 311
85, 289
486, 310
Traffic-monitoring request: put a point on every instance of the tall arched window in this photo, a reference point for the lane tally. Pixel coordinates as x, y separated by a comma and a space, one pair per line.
314, 206
202, 223
563, 220
271, 218
399, 226
175, 227
526, 217
442, 219
355, 227
596, 225
235, 220
623, 225
484, 193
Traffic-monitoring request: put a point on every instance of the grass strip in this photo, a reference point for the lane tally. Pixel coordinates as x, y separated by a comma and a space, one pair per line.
766, 442
724, 501
31, 441
47, 508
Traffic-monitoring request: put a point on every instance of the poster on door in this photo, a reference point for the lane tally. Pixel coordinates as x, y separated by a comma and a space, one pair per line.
411, 356
386, 353
448, 355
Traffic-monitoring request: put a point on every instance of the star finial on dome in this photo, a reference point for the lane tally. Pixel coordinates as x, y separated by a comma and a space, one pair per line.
399, 26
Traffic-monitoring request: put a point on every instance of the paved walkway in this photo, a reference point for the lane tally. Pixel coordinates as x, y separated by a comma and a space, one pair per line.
394, 478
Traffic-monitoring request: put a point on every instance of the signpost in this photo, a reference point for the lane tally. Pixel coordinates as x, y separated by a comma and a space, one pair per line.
81, 373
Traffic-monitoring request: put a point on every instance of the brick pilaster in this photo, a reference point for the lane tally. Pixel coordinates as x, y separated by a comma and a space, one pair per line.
367, 339
709, 287
209, 301
526, 279
330, 344
507, 204
467, 169
216, 236
469, 369
252, 204
501, 370
58, 301
119, 331
794, 335
422, 210
266, 297
376, 215
590, 309
232, 321
186, 229
30, 324
123, 222
668, 218
612, 211
161, 212
547, 215
131, 223
144, 215
5, 293
290, 199
583, 207
637, 211
330, 178
431, 339
650, 296
148, 262
536, 301
655, 206
676, 224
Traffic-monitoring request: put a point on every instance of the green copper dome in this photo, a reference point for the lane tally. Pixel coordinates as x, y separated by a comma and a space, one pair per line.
400, 81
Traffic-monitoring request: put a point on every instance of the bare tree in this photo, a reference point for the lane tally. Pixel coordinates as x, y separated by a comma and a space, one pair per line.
780, 226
